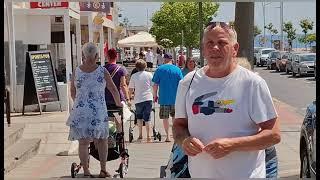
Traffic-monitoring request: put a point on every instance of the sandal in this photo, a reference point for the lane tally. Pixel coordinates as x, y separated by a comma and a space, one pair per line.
104, 174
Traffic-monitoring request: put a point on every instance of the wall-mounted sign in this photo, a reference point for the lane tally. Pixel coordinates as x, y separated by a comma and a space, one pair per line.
96, 6
49, 4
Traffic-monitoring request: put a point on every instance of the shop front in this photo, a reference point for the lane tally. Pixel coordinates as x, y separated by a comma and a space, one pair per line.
41, 26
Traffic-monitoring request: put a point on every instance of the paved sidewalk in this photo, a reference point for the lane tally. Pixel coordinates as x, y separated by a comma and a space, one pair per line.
145, 158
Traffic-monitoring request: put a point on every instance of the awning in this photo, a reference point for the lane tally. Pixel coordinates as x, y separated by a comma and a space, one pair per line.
141, 39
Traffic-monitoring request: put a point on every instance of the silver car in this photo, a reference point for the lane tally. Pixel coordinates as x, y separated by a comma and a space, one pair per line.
303, 64
291, 54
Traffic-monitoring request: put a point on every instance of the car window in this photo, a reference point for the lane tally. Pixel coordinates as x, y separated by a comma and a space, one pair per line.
284, 56
309, 57
274, 54
267, 51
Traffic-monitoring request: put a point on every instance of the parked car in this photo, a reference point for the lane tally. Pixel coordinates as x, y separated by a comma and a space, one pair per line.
315, 70
255, 54
303, 64
282, 61
289, 61
263, 55
271, 61
308, 143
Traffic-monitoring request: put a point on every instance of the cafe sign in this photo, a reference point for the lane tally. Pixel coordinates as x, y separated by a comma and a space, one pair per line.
49, 4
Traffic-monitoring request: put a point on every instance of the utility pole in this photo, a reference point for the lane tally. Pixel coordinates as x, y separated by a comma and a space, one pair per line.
147, 20
281, 26
264, 23
201, 33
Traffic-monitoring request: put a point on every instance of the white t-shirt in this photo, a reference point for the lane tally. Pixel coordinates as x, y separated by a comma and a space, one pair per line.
141, 82
149, 57
232, 106
160, 60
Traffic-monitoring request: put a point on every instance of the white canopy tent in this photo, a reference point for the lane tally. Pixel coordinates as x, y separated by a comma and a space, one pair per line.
141, 39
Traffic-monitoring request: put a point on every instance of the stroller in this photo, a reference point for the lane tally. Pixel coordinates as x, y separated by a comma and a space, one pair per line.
156, 134
116, 149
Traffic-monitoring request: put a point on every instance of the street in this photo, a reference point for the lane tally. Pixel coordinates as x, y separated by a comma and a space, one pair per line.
297, 92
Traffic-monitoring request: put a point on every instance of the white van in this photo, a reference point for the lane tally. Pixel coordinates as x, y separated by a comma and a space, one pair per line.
263, 55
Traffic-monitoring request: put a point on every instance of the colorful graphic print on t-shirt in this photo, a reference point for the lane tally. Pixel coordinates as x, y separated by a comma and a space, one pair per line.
203, 105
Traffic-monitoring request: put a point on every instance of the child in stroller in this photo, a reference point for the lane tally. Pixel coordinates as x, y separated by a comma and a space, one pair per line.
116, 149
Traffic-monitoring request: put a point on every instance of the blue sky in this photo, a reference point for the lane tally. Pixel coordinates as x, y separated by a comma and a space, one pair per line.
293, 11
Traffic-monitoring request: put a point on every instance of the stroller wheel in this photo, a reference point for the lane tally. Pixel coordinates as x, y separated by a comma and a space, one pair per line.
130, 137
159, 136
74, 170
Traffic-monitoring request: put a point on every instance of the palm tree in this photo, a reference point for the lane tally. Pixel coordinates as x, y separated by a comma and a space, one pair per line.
244, 25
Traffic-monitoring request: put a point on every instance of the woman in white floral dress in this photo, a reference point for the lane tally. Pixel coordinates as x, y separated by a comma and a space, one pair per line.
88, 119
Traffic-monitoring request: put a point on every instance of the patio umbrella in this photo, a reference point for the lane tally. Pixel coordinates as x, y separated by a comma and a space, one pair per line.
141, 39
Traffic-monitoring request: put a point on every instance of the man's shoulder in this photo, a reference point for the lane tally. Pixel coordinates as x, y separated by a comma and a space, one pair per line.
250, 76
188, 77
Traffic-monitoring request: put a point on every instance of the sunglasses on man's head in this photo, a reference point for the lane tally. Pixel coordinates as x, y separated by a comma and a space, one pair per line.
223, 25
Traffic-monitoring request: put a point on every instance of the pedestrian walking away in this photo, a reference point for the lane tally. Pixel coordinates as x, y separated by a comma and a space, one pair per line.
141, 86
149, 59
88, 118
166, 78
118, 74
225, 116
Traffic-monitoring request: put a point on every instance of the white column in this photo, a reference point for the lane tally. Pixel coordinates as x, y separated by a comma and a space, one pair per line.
90, 28
109, 38
78, 39
67, 46
101, 46
12, 55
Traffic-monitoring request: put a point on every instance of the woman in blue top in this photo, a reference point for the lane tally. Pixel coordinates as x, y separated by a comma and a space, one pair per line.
189, 66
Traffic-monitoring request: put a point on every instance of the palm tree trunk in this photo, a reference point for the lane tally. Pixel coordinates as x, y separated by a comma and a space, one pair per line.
244, 25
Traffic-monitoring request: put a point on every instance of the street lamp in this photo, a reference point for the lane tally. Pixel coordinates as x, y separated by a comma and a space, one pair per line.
264, 4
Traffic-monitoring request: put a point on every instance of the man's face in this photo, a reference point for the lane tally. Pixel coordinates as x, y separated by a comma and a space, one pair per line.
219, 49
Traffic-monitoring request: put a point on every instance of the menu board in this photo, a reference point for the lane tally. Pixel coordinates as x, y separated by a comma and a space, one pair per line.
43, 74
40, 81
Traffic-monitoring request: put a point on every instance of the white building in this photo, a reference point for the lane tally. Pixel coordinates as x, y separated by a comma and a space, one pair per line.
55, 26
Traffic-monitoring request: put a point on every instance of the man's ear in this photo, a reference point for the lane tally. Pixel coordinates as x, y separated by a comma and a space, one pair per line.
235, 49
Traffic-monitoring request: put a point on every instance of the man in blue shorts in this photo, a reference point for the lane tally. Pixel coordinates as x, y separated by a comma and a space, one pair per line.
166, 78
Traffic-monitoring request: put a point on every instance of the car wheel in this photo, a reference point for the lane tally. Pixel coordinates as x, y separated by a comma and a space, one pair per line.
299, 73
305, 165
294, 74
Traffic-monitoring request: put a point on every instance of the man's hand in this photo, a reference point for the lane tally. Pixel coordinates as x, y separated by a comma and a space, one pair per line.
155, 98
219, 148
129, 103
192, 146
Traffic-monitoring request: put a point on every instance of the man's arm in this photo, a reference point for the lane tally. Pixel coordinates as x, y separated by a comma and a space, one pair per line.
180, 130
268, 135
155, 92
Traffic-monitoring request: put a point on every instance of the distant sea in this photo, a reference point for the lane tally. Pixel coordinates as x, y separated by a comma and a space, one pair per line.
295, 43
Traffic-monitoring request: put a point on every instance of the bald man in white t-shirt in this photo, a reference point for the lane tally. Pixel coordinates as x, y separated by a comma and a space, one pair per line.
225, 117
